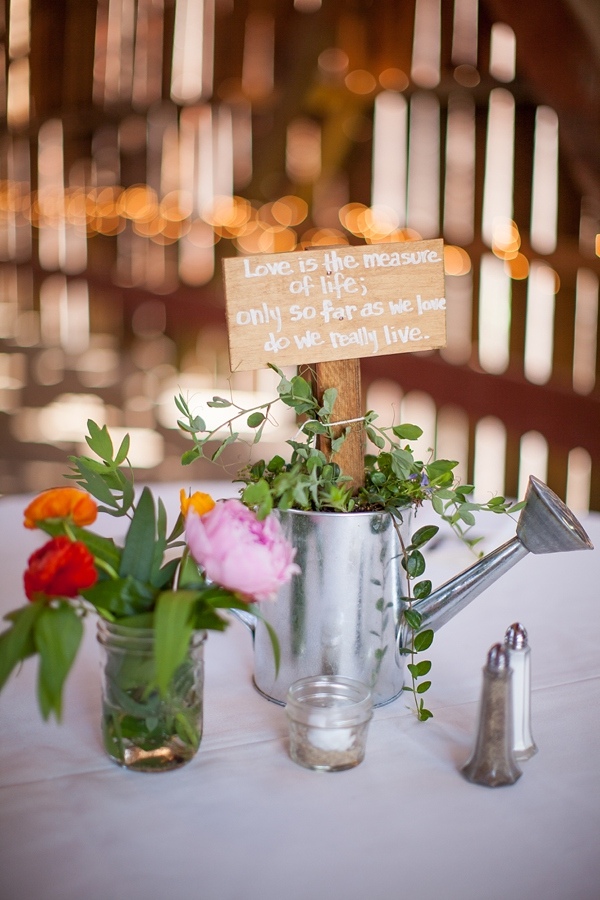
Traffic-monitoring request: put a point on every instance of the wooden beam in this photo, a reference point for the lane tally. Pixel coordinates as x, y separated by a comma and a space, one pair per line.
344, 375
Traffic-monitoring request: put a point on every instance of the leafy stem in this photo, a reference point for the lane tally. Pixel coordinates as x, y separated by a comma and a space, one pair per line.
413, 563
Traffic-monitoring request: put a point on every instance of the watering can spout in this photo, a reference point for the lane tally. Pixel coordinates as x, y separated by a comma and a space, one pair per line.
545, 525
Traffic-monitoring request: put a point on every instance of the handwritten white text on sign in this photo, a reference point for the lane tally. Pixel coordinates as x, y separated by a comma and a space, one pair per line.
336, 303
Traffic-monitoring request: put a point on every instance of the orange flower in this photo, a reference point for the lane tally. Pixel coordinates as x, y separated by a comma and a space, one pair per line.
61, 503
200, 503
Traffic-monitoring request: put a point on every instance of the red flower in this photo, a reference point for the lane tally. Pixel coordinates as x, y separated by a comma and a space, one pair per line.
61, 568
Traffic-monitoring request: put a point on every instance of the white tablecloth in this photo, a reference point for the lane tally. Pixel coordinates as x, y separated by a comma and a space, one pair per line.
243, 822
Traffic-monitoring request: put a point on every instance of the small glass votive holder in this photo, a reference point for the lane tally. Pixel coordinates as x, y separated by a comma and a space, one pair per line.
328, 719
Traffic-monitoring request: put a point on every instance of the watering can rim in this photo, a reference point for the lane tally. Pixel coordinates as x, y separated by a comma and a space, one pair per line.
350, 512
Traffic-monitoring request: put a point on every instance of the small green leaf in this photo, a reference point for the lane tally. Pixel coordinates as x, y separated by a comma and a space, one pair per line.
413, 618
273, 638
255, 419
417, 670
219, 403
172, 632
138, 550
258, 495
407, 432
424, 686
422, 589
328, 401
58, 632
99, 440
190, 455
415, 564
16, 643
423, 640
122, 451
423, 535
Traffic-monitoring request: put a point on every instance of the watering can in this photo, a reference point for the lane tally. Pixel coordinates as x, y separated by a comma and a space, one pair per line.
343, 614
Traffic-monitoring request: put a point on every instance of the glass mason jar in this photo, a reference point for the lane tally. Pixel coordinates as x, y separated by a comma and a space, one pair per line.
141, 729
328, 718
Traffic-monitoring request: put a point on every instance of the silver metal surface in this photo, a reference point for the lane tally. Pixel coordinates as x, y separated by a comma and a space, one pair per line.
492, 762
516, 637
343, 614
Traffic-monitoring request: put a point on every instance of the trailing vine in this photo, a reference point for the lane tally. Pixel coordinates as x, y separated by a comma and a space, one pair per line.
311, 480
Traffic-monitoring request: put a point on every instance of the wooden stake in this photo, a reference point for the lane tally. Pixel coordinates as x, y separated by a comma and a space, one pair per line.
344, 375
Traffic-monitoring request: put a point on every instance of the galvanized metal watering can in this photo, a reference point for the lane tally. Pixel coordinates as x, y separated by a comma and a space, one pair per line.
343, 614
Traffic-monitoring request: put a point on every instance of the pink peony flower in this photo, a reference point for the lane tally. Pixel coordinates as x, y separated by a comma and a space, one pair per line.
239, 552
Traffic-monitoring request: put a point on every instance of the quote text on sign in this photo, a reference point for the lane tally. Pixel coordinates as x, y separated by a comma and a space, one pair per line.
335, 303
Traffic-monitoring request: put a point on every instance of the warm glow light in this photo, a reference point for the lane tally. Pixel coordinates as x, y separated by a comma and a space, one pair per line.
423, 195
417, 406
322, 236
464, 34
333, 62
544, 195
452, 439
459, 188
303, 150
307, 6
349, 216
257, 68
388, 178
290, 210
138, 202
17, 94
241, 129
19, 28
51, 242
393, 80
459, 299
503, 50
468, 76
494, 315
579, 480
499, 153
425, 69
148, 58
384, 397
589, 226
539, 324
533, 459
506, 239
193, 51
517, 266
65, 419
456, 260
359, 81
489, 458
585, 343
118, 74
277, 239
197, 254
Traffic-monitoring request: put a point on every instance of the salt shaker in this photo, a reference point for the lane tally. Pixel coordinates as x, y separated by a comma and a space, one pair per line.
492, 762
519, 655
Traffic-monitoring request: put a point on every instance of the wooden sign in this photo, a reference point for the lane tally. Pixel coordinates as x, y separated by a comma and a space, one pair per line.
334, 303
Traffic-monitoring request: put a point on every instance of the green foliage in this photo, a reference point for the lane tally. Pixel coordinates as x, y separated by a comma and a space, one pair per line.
58, 631
419, 638
311, 480
141, 585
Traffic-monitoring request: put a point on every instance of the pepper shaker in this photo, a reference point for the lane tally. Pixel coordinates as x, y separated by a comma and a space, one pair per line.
519, 655
492, 762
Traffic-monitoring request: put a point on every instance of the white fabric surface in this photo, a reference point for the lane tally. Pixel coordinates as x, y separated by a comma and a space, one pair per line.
243, 822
